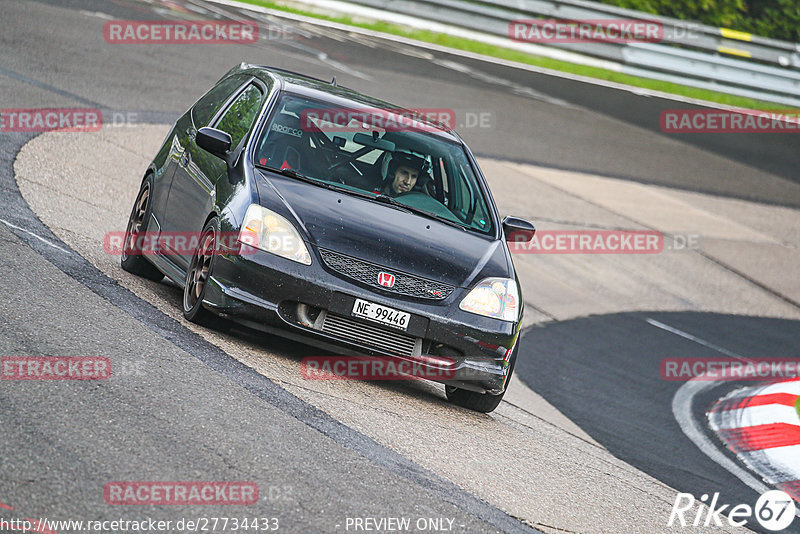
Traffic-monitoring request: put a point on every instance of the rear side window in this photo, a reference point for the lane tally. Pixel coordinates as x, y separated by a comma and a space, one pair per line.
239, 116
207, 106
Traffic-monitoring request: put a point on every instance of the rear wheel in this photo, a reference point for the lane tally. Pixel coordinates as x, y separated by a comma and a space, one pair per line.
198, 274
479, 402
133, 259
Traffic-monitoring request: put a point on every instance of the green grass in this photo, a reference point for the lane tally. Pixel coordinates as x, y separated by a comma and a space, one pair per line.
797, 405
529, 59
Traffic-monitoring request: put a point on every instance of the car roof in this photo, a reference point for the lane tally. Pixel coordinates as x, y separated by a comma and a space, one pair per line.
329, 91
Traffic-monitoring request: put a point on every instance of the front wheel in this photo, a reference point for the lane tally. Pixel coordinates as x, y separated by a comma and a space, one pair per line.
198, 274
479, 402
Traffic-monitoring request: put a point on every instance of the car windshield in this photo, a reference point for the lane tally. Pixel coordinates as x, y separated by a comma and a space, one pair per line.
377, 153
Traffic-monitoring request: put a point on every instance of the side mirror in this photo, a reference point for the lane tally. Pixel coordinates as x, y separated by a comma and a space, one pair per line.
214, 141
518, 230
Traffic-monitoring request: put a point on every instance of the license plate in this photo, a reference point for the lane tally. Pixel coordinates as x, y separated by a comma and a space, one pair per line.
381, 314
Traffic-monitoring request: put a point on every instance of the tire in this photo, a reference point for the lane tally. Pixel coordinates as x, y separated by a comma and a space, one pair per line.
132, 259
479, 402
198, 273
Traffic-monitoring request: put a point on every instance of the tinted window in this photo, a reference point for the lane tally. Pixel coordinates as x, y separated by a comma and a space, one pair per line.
207, 106
239, 117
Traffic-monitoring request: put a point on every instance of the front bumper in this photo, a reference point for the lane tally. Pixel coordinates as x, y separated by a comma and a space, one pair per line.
312, 304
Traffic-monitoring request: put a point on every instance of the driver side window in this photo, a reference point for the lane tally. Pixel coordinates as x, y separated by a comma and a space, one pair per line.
205, 108
240, 115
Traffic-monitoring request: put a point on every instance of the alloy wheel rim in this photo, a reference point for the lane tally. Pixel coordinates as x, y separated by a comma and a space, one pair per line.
199, 270
136, 220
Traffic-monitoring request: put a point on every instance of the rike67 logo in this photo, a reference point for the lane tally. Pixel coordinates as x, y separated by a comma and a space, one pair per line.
775, 510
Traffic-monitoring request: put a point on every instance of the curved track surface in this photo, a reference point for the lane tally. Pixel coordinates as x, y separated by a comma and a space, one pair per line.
227, 404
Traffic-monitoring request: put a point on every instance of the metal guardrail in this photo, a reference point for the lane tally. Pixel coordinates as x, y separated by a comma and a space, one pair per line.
690, 53
685, 33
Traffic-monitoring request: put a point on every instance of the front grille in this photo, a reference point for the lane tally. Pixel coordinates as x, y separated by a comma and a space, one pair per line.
373, 336
367, 273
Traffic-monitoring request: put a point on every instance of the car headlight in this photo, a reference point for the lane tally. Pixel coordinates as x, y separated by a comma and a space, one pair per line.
493, 297
270, 232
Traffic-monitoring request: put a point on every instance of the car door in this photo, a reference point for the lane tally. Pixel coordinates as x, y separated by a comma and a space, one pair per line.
191, 195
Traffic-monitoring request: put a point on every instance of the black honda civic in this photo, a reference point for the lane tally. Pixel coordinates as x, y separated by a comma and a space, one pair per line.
311, 211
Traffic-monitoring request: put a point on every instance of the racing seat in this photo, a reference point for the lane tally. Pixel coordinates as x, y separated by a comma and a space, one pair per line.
288, 146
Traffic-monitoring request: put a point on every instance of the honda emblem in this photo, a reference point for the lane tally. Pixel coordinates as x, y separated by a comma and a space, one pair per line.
386, 279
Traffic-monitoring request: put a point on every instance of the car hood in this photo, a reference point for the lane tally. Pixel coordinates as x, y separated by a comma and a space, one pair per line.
383, 234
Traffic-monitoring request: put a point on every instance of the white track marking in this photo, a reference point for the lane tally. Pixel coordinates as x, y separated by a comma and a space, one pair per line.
98, 14
515, 87
690, 337
40, 238
322, 56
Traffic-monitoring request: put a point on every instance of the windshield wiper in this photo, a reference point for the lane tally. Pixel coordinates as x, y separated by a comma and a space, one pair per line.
297, 175
391, 201
438, 218
386, 199
292, 173
375, 198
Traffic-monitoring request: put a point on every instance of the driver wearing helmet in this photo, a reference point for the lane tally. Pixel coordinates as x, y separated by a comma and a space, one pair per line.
405, 171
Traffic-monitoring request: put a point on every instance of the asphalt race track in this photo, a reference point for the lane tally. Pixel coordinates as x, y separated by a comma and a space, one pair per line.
587, 442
